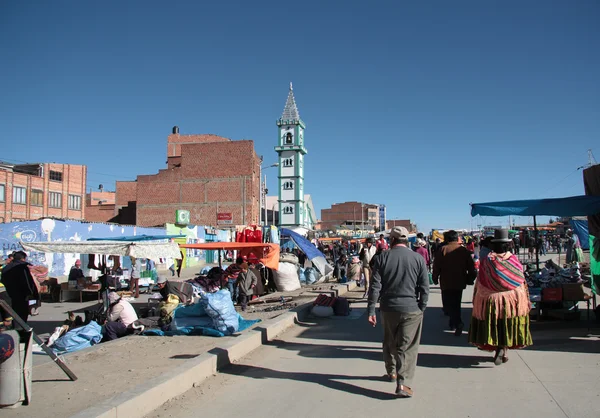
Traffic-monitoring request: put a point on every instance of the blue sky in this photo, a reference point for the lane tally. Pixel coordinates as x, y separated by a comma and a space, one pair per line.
422, 106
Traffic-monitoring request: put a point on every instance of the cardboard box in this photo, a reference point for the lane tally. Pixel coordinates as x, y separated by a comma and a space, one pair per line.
552, 295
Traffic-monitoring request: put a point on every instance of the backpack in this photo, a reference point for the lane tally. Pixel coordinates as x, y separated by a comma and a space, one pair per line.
341, 307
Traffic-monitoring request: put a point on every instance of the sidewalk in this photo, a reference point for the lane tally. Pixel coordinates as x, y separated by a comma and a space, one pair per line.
108, 369
333, 368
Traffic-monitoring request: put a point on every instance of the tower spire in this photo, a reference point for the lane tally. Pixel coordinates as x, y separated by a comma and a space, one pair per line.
290, 111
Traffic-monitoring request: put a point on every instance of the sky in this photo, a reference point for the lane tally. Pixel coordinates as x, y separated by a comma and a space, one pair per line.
422, 106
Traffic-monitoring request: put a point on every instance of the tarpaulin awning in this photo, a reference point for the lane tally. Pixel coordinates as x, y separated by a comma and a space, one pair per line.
136, 238
267, 253
307, 247
564, 206
153, 251
580, 227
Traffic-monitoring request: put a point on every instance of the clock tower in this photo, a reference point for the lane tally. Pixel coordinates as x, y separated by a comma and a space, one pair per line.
291, 151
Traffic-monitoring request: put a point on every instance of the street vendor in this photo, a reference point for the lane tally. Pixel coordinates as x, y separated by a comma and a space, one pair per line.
164, 287
75, 274
121, 316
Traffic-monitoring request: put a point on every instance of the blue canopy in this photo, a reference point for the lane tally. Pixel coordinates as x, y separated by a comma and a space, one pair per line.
580, 227
135, 238
313, 254
564, 206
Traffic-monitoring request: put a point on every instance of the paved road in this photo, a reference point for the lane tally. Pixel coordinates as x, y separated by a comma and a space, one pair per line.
333, 368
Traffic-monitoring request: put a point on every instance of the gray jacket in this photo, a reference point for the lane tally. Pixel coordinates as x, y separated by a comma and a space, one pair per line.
245, 281
400, 276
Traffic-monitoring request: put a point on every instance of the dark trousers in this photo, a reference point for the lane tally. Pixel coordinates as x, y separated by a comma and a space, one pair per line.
244, 301
114, 330
401, 340
451, 300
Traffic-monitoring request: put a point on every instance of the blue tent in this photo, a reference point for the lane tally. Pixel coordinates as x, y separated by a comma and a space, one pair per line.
580, 227
564, 206
313, 254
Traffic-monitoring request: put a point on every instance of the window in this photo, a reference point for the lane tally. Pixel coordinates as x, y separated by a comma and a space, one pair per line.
2, 192
19, 195
288, 162
37, 198
288, 210
55, 175
54, 200
288, 138
288, 185
74, 202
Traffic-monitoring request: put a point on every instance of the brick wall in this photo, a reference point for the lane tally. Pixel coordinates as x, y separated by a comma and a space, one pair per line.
216, 175
125, 192
175, 141
100, 213
94, 198
339, 213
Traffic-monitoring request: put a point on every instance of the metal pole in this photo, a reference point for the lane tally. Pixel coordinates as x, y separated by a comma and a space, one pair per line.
260, 199
537, 251
264, 191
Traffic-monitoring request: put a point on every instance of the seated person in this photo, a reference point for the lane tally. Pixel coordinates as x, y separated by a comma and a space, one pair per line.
75, 274
164, 287
120, 318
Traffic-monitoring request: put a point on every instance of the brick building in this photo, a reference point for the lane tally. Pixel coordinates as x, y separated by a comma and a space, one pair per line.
350, 214
100, 206
406, 223
205, 175
33, 191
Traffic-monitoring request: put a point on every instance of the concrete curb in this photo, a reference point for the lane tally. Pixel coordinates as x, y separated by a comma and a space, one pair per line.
148, 396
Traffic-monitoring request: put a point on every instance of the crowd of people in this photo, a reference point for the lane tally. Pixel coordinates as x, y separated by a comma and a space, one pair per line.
400, 280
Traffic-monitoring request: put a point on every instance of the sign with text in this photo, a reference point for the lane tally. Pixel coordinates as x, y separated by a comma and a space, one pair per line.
224, 218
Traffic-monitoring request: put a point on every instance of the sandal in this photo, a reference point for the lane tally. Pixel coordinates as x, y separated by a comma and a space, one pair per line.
404, 392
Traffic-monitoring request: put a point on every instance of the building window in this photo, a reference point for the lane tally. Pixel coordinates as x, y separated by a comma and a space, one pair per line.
288, 162
75, 202
20, 195
55, 200
55, 175
288, 210
288, 138
288, 185
37, 198
2, 192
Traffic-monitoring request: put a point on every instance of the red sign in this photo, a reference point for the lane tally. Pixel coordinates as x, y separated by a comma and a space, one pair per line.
224, 218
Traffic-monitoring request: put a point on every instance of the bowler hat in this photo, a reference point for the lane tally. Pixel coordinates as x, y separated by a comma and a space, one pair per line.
501, 235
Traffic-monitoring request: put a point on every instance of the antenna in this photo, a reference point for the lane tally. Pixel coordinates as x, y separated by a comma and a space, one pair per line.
591, 159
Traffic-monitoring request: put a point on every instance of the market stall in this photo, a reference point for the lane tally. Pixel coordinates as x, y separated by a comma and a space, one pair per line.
142, 250
553, 284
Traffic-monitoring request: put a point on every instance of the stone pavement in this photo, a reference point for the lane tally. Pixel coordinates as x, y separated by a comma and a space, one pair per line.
333, 368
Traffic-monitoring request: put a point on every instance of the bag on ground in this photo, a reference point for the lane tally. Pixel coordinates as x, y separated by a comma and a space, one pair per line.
286, 278
220, 308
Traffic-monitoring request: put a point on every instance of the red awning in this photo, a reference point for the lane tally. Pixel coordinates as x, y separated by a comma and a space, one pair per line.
268, 254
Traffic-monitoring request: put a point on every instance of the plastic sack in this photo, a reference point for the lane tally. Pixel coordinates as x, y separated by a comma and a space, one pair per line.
79, 338
310, 275
302, 275
220, 308
322, 311
286, 278
195, 310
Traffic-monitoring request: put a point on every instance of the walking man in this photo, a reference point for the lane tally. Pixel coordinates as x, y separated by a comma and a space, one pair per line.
453, 269
366, 255
400, 278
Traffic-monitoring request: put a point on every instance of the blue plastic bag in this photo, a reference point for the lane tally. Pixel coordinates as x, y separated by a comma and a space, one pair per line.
310, 275
219, 307
79, 338
197, 309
